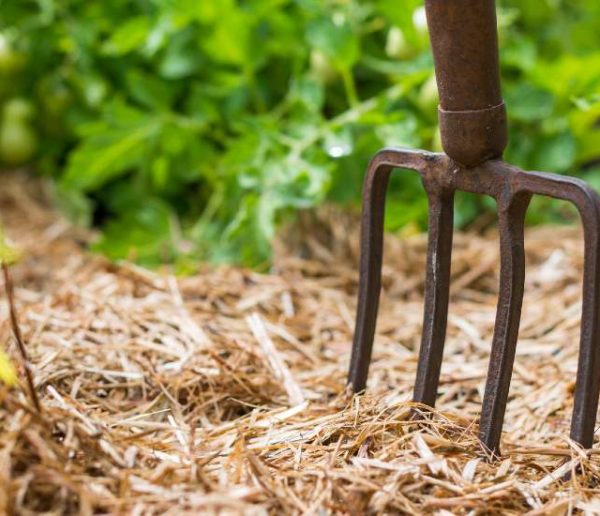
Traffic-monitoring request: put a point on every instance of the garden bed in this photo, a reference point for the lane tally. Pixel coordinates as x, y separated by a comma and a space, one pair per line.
225, 391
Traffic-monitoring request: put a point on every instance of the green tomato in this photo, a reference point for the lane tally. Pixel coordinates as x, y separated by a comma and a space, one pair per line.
321, 66
19, 109
428, 98
396, 45
10, 61
419, 19
18, 143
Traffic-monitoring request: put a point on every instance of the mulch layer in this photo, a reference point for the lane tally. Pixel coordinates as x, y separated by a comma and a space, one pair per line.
224, 392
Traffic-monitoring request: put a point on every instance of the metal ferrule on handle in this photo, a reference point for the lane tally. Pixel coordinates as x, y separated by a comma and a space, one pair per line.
472, 114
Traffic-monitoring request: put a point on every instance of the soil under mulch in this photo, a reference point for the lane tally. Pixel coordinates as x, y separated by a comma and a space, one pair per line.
225, 391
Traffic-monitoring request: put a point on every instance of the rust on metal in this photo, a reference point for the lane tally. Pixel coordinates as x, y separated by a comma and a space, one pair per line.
472, 115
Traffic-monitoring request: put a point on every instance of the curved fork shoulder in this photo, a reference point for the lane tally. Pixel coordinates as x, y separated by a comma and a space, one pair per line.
403, 158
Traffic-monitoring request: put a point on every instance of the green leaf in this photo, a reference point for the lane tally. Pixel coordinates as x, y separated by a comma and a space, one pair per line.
336, 40
589, 146
181, 58
141, 233
230, 40
110, 148
150, 91
570, 76
403, 133
555, 153
309, 92
528, 103
128, 36
520, 53
593, 178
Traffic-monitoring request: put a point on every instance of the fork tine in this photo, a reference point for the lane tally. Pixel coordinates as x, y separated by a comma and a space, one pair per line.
508, 316
588, 370
437, 286
371, 254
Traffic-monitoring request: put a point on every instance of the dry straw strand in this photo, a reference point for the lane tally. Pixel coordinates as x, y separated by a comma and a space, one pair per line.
225, 392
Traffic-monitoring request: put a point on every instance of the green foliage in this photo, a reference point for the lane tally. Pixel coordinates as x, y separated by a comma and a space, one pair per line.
190, 129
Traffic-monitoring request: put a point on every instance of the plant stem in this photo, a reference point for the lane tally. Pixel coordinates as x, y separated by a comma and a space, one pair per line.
18, 337
350, 87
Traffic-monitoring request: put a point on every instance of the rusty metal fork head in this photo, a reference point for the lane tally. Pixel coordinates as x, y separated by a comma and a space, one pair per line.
473, 124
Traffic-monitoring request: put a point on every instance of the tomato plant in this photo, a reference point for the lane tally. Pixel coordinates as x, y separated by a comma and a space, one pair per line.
189, 129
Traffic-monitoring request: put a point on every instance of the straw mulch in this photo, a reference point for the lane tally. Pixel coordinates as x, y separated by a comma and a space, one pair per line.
224, 392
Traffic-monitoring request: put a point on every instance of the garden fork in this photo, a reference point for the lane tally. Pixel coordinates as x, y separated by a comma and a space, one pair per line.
473, 128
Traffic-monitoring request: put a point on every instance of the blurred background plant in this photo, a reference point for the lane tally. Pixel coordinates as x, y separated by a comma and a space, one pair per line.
189, 129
